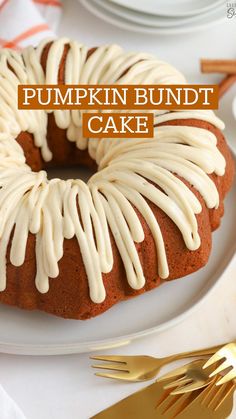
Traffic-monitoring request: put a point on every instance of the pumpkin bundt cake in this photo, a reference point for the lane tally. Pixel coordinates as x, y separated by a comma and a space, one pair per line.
146, 216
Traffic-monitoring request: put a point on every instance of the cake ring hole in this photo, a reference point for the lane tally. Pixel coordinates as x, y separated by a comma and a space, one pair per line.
75, 172
68, 161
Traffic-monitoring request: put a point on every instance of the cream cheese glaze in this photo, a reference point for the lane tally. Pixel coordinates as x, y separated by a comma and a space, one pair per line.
127, 169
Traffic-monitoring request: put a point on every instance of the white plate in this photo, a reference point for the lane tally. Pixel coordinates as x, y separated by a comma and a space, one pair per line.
206, 21
170, 7
153, 20
36, 333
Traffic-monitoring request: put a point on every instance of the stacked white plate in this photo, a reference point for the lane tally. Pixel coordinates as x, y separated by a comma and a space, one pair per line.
164, 17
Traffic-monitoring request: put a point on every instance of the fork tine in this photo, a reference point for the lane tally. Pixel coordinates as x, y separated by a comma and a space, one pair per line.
172, 406
162, 403
214, 358
164, 396
116, 376
187, 388
208, 391
227, 377
110, 358
222, 367
115, 367
183, 381
175, 373
219, 394
229, 389
216, 396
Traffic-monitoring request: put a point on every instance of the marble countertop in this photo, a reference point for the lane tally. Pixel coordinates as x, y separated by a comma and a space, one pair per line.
64, 387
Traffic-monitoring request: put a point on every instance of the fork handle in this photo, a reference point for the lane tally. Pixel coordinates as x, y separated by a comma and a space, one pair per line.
199, 352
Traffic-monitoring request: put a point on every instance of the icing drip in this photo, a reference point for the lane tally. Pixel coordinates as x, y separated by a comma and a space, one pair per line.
127, 170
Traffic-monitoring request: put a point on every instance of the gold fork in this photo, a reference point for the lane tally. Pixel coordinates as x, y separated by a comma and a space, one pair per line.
227, 356
142, 368
210, 403
187, 378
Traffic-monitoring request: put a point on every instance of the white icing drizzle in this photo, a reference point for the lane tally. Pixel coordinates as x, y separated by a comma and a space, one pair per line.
127, 169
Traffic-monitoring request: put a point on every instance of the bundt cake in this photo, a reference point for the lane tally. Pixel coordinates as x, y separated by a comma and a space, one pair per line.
146, 216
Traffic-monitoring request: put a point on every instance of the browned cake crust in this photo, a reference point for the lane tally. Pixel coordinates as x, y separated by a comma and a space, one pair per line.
68, 294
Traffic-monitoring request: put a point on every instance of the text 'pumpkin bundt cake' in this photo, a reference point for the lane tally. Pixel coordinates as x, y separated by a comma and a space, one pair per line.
72, 248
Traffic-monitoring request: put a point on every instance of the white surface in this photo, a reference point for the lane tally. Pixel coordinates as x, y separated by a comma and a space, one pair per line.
37, 333
170, 7
8, 408
211, 19
63, 387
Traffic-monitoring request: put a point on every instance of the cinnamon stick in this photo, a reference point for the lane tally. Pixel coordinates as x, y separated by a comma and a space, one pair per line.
218, 66
226, 83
